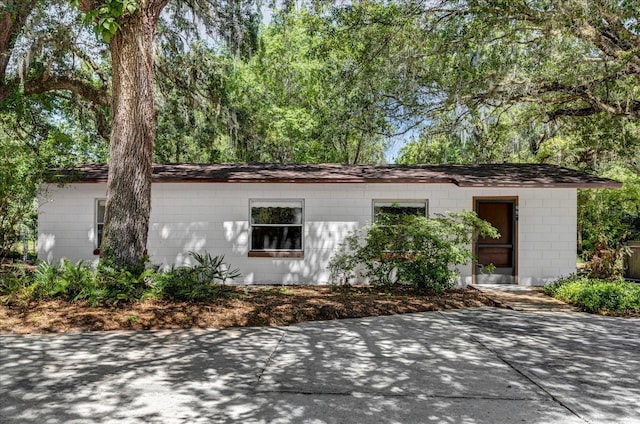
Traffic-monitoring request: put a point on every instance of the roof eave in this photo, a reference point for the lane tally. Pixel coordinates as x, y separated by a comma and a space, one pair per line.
609, 185
612, 184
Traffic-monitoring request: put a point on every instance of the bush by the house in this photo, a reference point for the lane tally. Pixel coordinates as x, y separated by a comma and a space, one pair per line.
76, 282
406, 249
606, 261
597, 296
198, 283
68, 281
111, 285
13, 283
121, 285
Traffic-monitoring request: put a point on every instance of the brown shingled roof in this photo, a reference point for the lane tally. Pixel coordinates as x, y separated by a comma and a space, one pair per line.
489, 175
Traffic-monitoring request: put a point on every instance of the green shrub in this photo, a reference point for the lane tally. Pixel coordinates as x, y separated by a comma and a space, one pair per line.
610, 215
199, 283
596, 296
119, 285
607, 262
79, 281
112, 285
66, 281
14, 284
19, 176
408, 249
45, 281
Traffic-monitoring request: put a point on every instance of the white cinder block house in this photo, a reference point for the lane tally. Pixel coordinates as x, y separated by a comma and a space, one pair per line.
282, 223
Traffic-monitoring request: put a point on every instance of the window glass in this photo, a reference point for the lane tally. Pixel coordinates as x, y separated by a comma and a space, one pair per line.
100, 209
276, 238
399, 207
276, 225
276, 215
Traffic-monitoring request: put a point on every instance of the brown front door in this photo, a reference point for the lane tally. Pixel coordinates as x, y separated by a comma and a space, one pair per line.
500, 252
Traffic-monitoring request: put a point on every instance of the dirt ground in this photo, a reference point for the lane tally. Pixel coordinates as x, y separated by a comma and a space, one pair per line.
240, 307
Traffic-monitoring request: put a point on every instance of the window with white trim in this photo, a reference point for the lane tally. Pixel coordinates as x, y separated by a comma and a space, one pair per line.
399, 207
276, 225
101, 205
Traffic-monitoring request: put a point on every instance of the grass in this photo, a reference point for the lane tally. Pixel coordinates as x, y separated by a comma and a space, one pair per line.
598, 296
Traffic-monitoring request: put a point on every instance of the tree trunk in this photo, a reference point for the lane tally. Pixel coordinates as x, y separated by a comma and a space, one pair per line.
132, 135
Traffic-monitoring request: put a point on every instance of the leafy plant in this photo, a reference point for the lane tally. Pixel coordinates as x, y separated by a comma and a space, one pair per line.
595, 295
422, 252
609, 217
212, 268
45, 281
113, 285
607, 262
18, 181
286, 291
121, 285
198, 283
14, 284
77, 281
106, 15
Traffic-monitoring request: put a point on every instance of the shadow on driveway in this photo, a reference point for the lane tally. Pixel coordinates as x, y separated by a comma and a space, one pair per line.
473, 366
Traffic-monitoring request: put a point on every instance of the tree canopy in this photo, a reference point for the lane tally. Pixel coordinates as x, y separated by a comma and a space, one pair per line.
470, 81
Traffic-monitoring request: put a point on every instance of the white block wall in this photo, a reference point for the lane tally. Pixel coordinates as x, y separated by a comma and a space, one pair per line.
214, 217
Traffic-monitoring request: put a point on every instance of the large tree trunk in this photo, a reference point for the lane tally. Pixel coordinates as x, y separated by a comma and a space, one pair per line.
132, 135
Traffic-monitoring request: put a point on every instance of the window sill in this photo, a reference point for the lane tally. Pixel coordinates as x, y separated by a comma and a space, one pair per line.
276, 254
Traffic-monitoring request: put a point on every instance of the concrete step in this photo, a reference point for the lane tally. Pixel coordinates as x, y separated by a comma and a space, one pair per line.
520, 298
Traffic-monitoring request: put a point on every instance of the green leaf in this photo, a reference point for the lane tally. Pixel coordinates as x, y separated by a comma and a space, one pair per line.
106, 36
131, 6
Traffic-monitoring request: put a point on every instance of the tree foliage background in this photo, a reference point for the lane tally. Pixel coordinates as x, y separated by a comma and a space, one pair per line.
317, 81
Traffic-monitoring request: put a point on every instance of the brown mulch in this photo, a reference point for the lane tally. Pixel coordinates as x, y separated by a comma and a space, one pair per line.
239, 307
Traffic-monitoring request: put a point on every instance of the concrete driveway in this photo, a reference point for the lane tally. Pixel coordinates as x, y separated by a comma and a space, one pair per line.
470, 366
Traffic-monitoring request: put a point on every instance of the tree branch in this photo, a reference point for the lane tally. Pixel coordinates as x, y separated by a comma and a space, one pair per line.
102, 125
77, 86
89, 61
585, 111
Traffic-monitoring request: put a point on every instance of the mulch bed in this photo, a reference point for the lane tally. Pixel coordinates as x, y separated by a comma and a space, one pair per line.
239, 307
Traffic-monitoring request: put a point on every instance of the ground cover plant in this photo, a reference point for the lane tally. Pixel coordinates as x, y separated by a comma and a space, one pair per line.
110, 285
607, 297
201, 282
408, 249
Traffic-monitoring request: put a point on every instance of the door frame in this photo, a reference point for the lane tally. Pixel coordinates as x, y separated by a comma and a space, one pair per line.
516, 220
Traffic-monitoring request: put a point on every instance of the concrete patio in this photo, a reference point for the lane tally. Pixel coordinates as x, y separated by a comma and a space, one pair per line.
469, 366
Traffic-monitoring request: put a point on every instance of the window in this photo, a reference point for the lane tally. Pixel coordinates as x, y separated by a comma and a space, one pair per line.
276, 228
399, 207
100, 208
